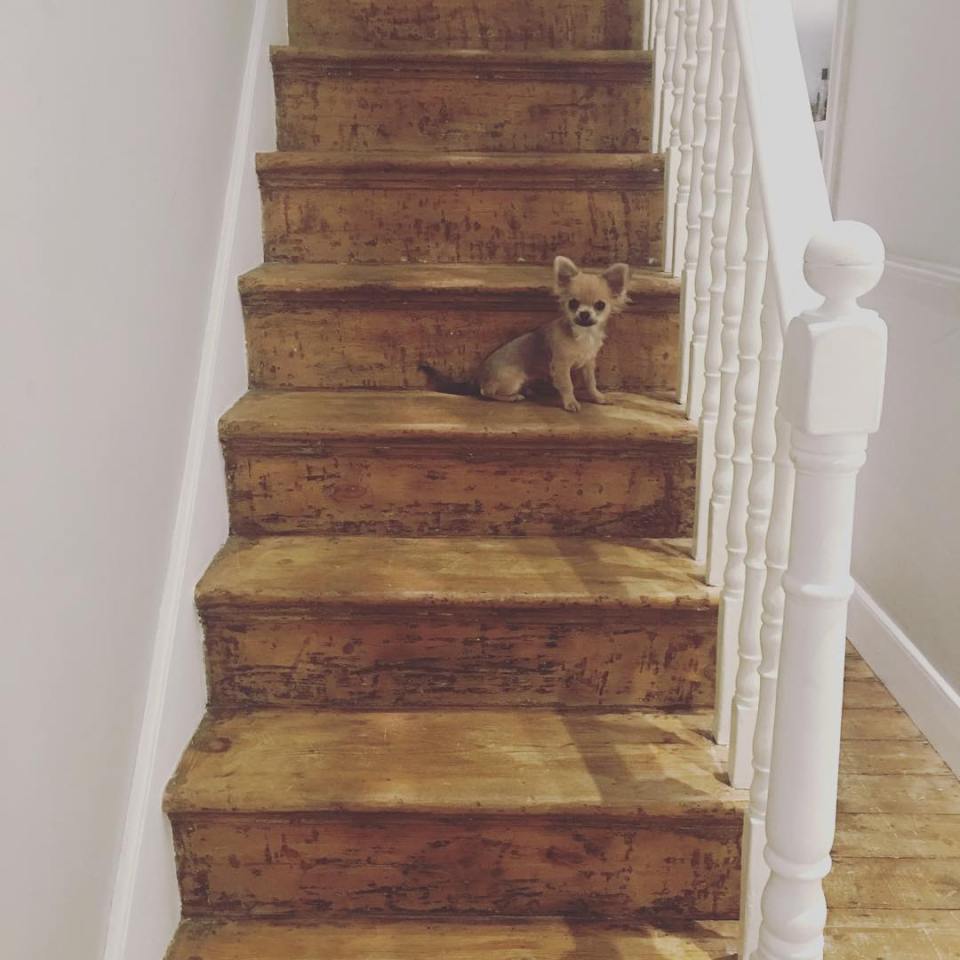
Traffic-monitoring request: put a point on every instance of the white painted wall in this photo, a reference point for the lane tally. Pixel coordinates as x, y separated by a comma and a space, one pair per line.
815, 20
119, 123
896, 168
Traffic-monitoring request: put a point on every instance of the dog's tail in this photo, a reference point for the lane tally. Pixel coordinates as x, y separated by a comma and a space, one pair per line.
440, 382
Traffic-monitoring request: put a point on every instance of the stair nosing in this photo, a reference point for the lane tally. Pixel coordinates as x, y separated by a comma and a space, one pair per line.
474, 170
215, 603
570, 66
306, 283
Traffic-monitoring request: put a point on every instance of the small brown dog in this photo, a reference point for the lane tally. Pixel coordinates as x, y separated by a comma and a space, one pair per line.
553, 351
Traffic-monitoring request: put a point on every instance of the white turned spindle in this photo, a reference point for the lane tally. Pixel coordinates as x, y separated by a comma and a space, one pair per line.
729, 343
723, 190
659, 72
717, 17
754, 872
649, 23
691, 15
698, 40
673, 155
671, 34
730, 655
759, 498
831, 394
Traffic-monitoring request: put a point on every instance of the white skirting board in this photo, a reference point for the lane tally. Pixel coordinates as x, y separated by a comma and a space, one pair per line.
145, 906
932, 704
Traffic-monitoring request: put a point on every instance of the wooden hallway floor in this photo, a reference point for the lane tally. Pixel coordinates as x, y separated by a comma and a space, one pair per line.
894, 893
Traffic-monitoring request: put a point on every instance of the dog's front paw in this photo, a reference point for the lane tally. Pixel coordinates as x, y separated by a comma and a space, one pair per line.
571, 405
600, 398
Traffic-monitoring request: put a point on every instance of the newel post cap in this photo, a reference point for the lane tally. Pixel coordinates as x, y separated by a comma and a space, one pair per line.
844, 261
835, 358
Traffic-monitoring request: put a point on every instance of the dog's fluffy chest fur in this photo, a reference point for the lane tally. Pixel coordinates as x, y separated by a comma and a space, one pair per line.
579, 345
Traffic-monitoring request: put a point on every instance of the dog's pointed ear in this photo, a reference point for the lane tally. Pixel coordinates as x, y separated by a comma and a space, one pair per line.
618, 279
564, 271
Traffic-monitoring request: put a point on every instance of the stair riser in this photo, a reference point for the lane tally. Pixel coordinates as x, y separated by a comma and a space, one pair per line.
462, 222
463, 660
462, 111
396, 865
297, 344
420, 490
458, 24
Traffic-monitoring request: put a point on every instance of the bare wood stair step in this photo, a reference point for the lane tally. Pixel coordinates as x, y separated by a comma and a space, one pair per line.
552, 101
851, 935
420, 463
360, 325
363, 622
497, 25
288, 812
389, 207
535, 574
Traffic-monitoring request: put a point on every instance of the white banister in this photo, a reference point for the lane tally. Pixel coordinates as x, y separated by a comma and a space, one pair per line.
730, 338
672, 162
723, 190
831, 394
659, 72
697, 92
649, 23
708, 205
730, 652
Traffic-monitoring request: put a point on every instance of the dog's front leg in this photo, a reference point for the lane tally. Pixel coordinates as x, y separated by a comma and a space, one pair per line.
560, 375
590, 379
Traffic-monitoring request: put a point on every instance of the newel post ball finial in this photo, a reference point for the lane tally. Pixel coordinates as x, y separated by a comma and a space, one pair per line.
835, 356
844, 261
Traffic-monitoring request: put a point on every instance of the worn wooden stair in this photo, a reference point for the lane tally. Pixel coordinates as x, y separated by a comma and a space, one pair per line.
460, 665
339, 325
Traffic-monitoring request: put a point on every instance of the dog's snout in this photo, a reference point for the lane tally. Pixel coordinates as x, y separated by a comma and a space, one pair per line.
584, 316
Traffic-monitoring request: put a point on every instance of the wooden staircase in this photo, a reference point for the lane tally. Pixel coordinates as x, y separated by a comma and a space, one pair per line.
460, 664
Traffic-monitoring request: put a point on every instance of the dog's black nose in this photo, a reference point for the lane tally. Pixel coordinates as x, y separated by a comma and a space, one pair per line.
584, 316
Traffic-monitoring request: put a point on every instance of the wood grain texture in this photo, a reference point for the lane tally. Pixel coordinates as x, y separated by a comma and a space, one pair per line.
425, 464
546, 939
334, 325
500, 762
465, 866
880, 935
460, 660
506, 812
509, 208
576, 579
463, 100
457, 24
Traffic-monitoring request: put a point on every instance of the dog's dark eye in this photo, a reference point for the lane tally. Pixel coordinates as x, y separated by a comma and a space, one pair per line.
573, 304
599, 305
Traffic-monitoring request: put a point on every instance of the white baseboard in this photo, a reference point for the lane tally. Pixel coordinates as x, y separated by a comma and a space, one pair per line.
145, 906
932, 704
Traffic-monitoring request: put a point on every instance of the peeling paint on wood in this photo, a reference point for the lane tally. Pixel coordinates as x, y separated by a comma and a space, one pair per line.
350, 101
517, 209
371, 663
458, 24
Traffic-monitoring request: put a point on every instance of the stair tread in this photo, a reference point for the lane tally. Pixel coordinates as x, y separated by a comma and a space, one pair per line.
381, 939
437, 279
521, 573
446, 762
422, 416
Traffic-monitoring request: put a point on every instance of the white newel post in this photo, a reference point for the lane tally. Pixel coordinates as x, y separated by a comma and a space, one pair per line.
830, 393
